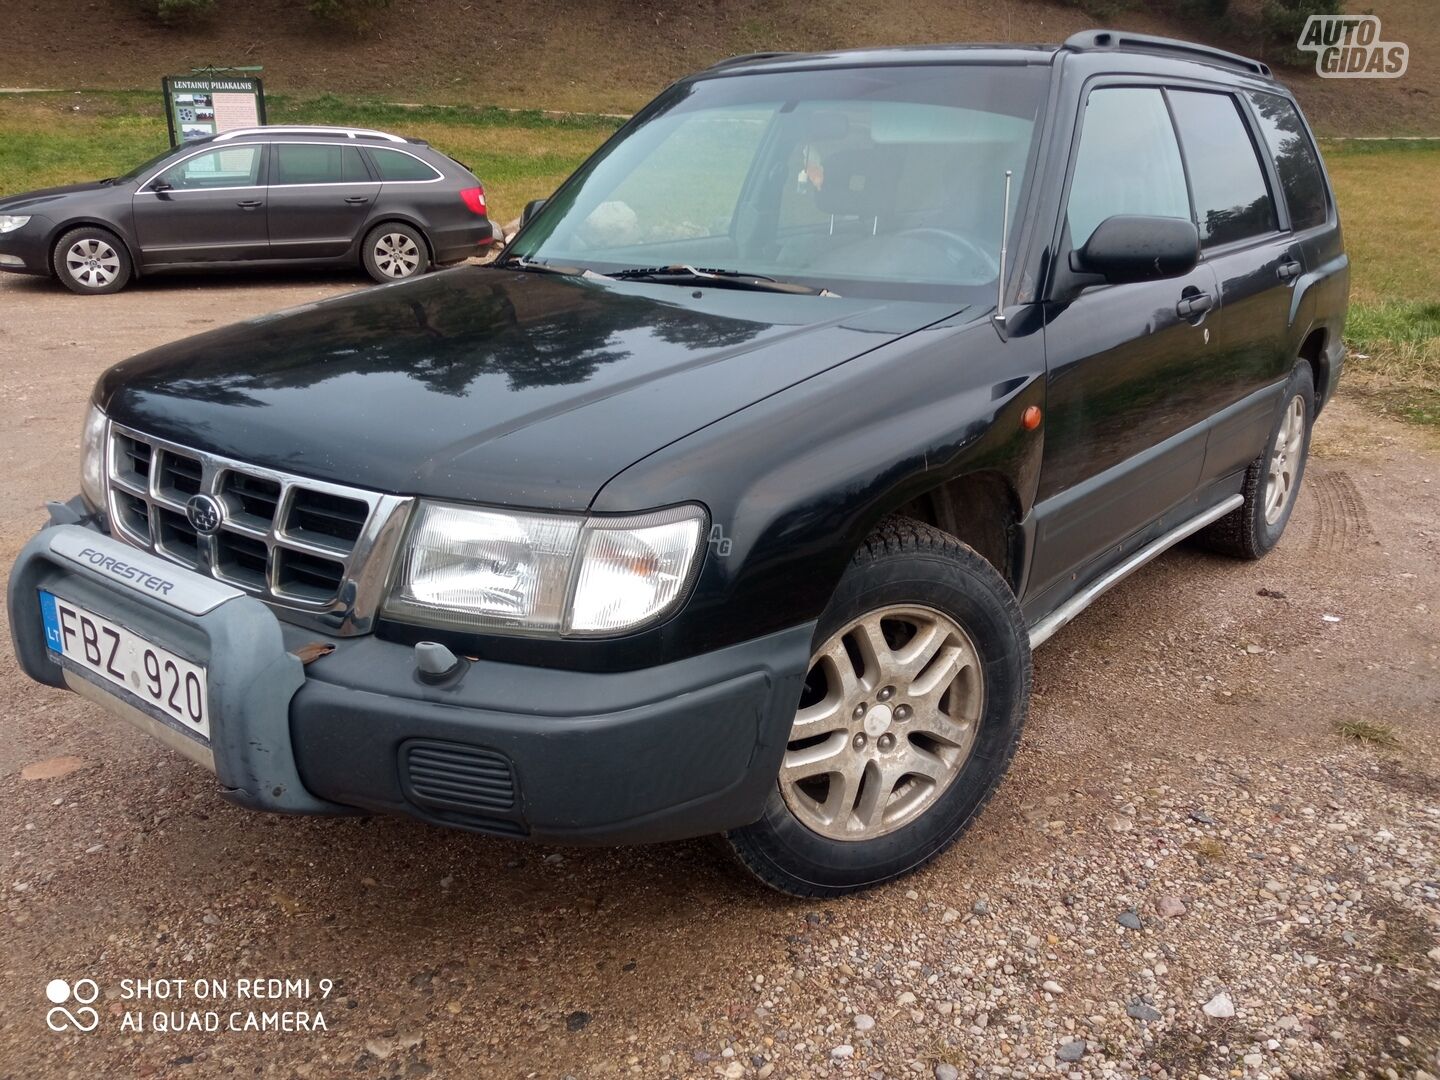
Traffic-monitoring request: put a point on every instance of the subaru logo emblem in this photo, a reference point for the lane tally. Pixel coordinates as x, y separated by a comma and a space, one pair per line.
205, 513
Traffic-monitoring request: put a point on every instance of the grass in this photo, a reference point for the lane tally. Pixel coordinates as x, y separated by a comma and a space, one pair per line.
1369, 733
1386, 192
1391, 218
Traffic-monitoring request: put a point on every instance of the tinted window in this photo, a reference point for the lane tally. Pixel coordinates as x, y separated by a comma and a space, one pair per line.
233, 166
1128, 161
1232, 201
394, 165
302, 163
1295, 159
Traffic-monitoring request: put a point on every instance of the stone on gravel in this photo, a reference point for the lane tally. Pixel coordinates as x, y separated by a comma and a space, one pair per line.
1052, 987
1138, 1010
1071, 1050
1171, 907
946, 1072
864, 1021
52, 768
1219, 1007
1129, 920
576, 1020
843, 1051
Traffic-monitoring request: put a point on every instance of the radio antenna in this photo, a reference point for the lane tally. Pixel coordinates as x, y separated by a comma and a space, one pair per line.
1004, 233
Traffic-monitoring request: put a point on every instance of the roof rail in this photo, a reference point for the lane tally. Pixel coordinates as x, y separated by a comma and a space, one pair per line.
746, 58
318, 129
1103, 40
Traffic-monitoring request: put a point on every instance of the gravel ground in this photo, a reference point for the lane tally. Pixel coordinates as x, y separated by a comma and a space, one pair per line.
1189, 873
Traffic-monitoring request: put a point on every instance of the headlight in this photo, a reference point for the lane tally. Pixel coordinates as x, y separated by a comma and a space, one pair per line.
92, 458
11, 222
475, 569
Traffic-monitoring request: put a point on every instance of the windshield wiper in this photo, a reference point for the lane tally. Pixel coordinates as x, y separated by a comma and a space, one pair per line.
727, 279
520, 262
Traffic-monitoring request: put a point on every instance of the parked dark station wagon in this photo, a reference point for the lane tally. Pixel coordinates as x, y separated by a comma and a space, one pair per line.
255, 197
735, 496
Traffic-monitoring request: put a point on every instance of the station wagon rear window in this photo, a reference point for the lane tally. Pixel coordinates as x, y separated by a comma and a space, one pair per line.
394, 165
1295, 159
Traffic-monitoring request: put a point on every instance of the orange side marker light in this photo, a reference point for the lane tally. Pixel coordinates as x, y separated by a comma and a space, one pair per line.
1030, 418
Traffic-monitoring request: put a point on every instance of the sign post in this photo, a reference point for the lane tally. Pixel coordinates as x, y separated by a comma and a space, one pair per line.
212, 100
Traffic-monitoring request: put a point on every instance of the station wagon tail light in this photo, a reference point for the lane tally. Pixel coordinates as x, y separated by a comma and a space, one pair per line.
475, 199
469, 568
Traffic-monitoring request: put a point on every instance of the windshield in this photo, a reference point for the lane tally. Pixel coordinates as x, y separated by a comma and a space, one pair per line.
873, 181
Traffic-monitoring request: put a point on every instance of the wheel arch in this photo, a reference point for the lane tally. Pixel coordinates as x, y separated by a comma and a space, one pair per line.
981, 509
390, 217
57, 234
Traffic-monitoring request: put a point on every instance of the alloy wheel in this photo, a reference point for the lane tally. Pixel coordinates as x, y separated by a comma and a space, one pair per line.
887, 721
396, 255
1285, 459
93, 263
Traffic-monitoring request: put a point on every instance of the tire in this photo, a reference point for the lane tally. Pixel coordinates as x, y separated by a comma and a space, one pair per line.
91, 260
394, 251
1254, 528
826, 841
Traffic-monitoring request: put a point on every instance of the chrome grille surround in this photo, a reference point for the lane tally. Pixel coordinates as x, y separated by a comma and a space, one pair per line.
321, 557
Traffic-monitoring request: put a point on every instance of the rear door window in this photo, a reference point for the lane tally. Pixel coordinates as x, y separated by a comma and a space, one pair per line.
1232, 199
1128, 161
394, 165
1295, 159
306, 163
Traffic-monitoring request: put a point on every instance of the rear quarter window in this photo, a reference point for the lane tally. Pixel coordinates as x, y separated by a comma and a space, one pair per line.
1232, 199
1296, 161
395, 165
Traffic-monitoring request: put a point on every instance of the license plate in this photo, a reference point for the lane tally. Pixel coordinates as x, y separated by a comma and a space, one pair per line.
167, 685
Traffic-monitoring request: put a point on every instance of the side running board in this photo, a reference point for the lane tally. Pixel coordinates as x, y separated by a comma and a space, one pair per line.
1043, 630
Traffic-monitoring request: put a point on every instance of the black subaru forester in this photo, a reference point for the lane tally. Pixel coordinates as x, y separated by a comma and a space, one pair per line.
735, 497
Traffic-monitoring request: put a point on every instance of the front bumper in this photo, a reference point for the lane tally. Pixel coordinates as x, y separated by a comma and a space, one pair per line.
25, 250
677, 750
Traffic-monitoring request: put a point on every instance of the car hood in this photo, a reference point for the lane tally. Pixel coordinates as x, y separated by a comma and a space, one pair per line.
490, 385
35, 201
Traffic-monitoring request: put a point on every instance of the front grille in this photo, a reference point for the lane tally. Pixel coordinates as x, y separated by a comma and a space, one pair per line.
299, 544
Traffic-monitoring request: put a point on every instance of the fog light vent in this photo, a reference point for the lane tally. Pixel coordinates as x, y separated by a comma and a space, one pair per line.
457, 778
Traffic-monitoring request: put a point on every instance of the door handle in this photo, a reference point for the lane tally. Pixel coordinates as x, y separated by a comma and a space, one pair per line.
357, 200
1289, 268
1191, 306
250, 204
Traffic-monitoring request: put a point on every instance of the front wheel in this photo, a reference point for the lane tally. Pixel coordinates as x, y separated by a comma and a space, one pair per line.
911, 712
394, 252
91, 260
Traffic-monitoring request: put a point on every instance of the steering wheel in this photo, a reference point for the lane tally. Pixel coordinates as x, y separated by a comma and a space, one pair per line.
969, 252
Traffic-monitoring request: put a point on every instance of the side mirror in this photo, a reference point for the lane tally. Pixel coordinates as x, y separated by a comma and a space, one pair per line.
531, 209
1133, 247
161, 185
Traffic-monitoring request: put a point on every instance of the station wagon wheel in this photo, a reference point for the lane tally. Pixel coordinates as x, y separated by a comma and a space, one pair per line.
395, 251
91, 260
910, 713
886, 722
